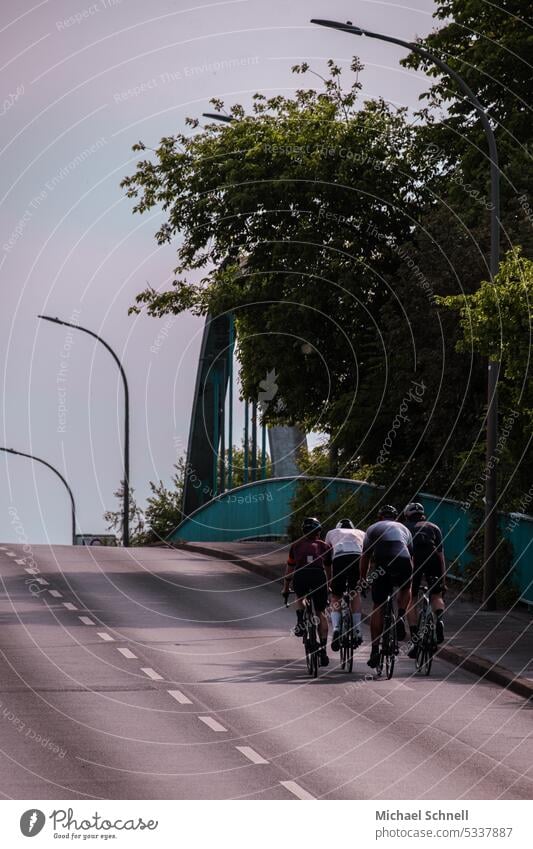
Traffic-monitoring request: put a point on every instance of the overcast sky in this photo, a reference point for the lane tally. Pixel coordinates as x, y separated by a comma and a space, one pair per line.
81, 82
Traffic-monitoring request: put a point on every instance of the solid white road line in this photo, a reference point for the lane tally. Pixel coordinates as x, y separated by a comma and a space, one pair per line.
155, 676
55, 593
180, 697
69, 605
107, 638
252, 755
86, 620
212, 723
127, 653
298, 791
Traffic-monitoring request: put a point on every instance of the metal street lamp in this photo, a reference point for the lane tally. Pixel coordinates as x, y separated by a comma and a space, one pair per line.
126, 494
491, 516
60, 476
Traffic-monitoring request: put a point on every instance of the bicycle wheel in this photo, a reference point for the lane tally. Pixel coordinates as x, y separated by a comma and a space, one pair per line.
344, 637
349, 651
311, 644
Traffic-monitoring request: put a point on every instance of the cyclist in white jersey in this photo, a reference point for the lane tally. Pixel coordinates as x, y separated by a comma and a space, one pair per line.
347, 544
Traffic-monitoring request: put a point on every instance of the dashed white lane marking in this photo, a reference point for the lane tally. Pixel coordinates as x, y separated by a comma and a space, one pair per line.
212, 723
69, 605
86, 620
251, 754
11, 554
180, 697
43, 582
31, 571
155, 676
20, 562
295, 788
56, 593
107, 638
127, 653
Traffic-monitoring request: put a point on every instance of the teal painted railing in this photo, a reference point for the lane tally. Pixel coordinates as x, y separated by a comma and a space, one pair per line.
263, 509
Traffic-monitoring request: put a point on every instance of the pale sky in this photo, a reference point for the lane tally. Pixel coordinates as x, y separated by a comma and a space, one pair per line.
81, 82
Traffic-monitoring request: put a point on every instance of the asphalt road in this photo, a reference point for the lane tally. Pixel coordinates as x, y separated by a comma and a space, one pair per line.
139, 674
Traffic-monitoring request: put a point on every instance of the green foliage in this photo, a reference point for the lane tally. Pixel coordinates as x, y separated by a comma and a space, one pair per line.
114, 518
288, 212
163, 510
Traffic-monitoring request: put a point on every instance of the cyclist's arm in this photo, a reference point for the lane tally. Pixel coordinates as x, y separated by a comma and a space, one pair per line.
289, 571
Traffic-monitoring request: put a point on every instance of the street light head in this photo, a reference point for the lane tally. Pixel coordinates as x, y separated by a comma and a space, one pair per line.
55, 320
215, 116
347, 27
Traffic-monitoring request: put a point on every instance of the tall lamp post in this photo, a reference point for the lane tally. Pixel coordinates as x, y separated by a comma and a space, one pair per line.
61, 478
126, 494
491, 516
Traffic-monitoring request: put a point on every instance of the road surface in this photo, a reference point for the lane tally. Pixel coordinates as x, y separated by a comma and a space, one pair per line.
160, 674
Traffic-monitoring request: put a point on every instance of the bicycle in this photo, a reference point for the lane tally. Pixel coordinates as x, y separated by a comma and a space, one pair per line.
347, 641
388, 648
310, 637
426, 635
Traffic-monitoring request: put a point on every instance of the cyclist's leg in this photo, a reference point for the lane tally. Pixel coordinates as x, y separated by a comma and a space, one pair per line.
436, 594
355, 596
402, 575
338, 582
301, 588
319, 593
381, 587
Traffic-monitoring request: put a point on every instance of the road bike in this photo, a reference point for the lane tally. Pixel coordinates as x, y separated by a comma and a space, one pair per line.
426, 638
311, 642
388, 648
348, 641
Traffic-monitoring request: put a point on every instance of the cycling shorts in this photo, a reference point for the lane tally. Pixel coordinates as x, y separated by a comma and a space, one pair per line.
307, 581
344, 567
431, 569
397, 572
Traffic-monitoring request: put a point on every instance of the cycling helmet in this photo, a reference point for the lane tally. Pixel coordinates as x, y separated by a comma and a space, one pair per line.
311, 525
414, 509
388, 512
346, 523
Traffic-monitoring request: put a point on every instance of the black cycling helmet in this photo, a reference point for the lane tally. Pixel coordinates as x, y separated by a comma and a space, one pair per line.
388, 512
346, 523
310, 525
414, 509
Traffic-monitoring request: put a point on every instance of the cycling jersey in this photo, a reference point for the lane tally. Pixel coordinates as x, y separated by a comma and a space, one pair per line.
309, 553
427, 546
345, 541
387, 540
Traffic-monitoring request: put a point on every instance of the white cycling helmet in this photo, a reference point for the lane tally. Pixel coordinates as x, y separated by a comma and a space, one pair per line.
346, 523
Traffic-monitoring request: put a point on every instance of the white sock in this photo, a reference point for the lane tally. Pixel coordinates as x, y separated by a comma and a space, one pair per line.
356, 619
336, 620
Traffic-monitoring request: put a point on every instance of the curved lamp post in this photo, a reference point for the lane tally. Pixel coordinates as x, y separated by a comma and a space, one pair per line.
126, 495
491, 517
61, 478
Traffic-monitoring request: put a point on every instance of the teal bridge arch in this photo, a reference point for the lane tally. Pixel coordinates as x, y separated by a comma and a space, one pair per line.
262, 510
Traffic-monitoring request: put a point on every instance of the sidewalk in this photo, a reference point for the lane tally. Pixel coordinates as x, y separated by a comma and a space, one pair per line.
497, 646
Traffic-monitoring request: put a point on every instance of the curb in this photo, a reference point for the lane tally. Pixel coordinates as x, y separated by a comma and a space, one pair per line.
486, 669
450, 654
272, 573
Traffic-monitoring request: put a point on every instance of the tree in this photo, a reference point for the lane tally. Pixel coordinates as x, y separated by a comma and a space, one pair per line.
490, 46
291, 214
115, 518
163, 511
496, 321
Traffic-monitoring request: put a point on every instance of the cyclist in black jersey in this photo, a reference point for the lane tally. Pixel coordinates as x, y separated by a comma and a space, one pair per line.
429, 562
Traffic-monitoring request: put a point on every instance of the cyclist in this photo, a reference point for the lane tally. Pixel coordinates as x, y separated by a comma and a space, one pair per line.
309, 569
428, 559
389, 545
346, 542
